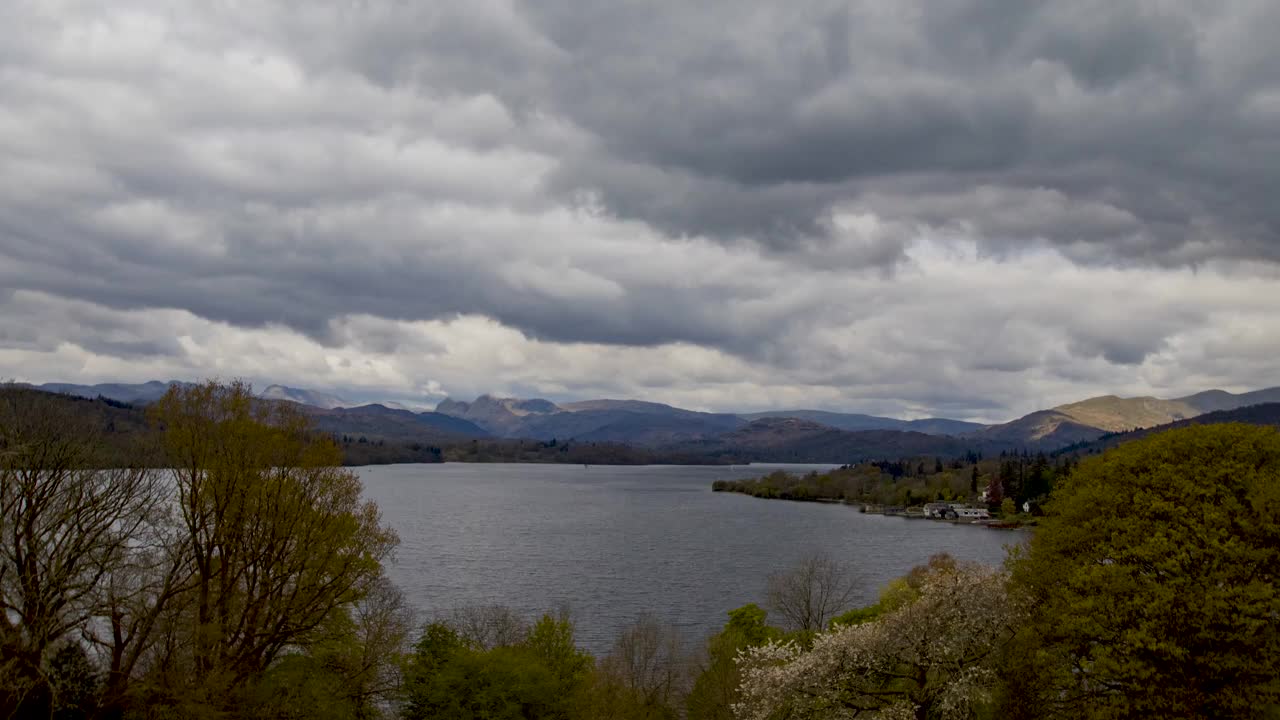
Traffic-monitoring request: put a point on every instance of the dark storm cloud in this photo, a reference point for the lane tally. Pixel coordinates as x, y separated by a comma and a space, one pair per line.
754, 120
735, 176
1146, 111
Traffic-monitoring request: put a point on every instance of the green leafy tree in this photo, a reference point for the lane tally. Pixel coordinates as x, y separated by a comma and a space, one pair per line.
349, 669
1155, 578
551, 641
716, 689
541, 675
1008, 508
506, 683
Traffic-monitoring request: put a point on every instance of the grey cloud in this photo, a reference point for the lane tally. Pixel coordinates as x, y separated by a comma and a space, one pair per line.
29, 322
1104, 44
1117, 350
269, 273
744, 120
817, 100
681, 203
730, 175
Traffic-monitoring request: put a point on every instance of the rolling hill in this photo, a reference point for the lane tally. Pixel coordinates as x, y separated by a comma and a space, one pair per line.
1042, 429
378, 422
1212, 400
140, 393
1090, 419
856, 421
1261, 414
129, 438
1114, 414
787, 439
628, 421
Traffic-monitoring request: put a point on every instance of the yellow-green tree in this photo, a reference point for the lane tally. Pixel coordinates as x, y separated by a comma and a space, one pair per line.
276, 536
1156, 580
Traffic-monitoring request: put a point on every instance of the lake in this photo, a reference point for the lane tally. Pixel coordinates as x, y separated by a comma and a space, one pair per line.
613, 542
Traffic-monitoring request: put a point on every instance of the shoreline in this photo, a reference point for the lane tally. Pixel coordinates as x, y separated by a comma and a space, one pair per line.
873, 509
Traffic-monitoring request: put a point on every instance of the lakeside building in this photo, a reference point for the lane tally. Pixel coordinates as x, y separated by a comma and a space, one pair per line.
954, 511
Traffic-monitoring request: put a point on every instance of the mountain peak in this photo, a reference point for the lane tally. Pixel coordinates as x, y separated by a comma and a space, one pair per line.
456, 408
499, 415
303, 397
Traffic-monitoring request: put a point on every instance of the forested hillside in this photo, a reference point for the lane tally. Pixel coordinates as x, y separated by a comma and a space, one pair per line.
370, 435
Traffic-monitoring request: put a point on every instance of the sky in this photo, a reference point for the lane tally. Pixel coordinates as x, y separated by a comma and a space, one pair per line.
960, 208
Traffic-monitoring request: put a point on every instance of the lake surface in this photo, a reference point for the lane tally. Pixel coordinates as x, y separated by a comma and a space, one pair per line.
613, 542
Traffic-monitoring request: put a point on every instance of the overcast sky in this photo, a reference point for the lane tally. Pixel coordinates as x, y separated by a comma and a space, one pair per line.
967, 208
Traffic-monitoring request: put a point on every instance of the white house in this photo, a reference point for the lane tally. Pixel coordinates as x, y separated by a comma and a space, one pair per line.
936, 509
954, 511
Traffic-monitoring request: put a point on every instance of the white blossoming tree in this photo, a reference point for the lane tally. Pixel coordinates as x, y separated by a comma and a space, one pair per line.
932, 656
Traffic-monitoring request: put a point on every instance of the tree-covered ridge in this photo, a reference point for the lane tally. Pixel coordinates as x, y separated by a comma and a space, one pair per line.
1019, 477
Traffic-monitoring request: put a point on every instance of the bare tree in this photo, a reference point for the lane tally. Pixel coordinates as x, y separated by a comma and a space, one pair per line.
809, 595
382, 625
485, 627
65, 526
649, 662
146, 607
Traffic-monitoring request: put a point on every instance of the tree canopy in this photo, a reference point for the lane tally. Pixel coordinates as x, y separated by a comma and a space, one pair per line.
1156, 579
931, 652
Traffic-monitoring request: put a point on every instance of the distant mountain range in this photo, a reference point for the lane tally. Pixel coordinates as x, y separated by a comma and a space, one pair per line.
384, 423
791, 435
854, 421
630, 421
141, 393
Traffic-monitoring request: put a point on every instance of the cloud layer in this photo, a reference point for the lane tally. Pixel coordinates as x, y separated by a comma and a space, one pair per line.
971, 208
